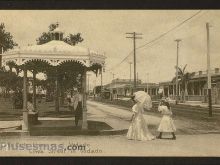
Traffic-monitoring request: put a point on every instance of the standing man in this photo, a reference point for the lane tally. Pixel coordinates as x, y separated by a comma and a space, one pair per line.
78, 107
76, 104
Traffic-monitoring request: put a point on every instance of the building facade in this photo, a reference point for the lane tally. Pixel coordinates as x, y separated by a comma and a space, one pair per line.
125, 88
196, 88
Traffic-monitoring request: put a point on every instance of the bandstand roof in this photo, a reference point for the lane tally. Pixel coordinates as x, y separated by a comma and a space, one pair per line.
54, 52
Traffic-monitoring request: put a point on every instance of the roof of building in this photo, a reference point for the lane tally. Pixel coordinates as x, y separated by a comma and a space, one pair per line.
51, 47
54, 52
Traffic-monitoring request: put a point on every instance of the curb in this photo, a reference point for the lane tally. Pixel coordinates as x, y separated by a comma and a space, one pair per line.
80, 132
15, 133
63, 133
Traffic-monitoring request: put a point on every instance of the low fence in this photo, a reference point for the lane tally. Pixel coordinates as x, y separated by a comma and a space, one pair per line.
194, 98
190, 98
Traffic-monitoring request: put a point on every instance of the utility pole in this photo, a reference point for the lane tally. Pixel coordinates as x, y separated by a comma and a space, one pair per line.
101, 80
147, 82
130, 70
130, 78
113, 85
177, 60
113, 75
134, 37
208, 72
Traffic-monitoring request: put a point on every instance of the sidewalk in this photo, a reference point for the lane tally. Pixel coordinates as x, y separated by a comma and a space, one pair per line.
196, 103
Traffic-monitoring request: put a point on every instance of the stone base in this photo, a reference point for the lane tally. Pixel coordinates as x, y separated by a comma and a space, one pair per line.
24, 127
84, 121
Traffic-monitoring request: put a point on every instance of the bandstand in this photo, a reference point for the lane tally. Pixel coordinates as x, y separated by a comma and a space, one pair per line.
59, 55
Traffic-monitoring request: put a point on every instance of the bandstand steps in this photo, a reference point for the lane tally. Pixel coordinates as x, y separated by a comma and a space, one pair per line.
67, 128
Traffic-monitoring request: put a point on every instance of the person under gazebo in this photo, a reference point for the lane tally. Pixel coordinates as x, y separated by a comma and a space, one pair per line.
30, 106
76, 103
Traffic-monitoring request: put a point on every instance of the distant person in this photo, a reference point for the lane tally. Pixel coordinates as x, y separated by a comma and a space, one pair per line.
78, 107
166, 123
138, 129
30, 106
68, 99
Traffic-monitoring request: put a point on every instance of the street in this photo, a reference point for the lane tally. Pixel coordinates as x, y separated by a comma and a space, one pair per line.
187, 143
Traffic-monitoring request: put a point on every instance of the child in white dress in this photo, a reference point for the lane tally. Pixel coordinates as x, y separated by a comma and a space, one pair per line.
166, 123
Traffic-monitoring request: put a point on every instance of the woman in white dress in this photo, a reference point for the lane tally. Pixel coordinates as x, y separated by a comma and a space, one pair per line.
138, 129
166, 123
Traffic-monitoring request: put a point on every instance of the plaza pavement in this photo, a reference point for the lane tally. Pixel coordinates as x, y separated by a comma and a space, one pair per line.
119, 119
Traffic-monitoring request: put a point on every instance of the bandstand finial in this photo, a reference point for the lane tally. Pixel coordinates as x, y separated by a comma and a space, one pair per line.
57, 34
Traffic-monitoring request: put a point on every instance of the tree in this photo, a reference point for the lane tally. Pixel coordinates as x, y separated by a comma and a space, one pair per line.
10, 80
71, 39
11, 65
6, 39
184, 79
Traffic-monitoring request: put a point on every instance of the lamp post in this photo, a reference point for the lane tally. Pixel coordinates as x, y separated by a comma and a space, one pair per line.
101, 81
177, 60
113, 75
130, 63
208, 72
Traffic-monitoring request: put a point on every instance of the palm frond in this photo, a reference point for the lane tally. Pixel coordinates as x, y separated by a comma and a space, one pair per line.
180, 72
184, 68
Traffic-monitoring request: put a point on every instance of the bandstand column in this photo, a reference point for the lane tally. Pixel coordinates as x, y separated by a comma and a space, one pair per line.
168, 92
25, 125
34, 89
84, 117
193, 92
57, 106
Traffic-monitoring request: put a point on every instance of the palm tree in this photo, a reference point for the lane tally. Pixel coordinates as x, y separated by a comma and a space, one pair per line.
18, 69
11, 65
184, 79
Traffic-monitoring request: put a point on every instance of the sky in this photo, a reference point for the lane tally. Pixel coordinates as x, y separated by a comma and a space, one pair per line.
105, 31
